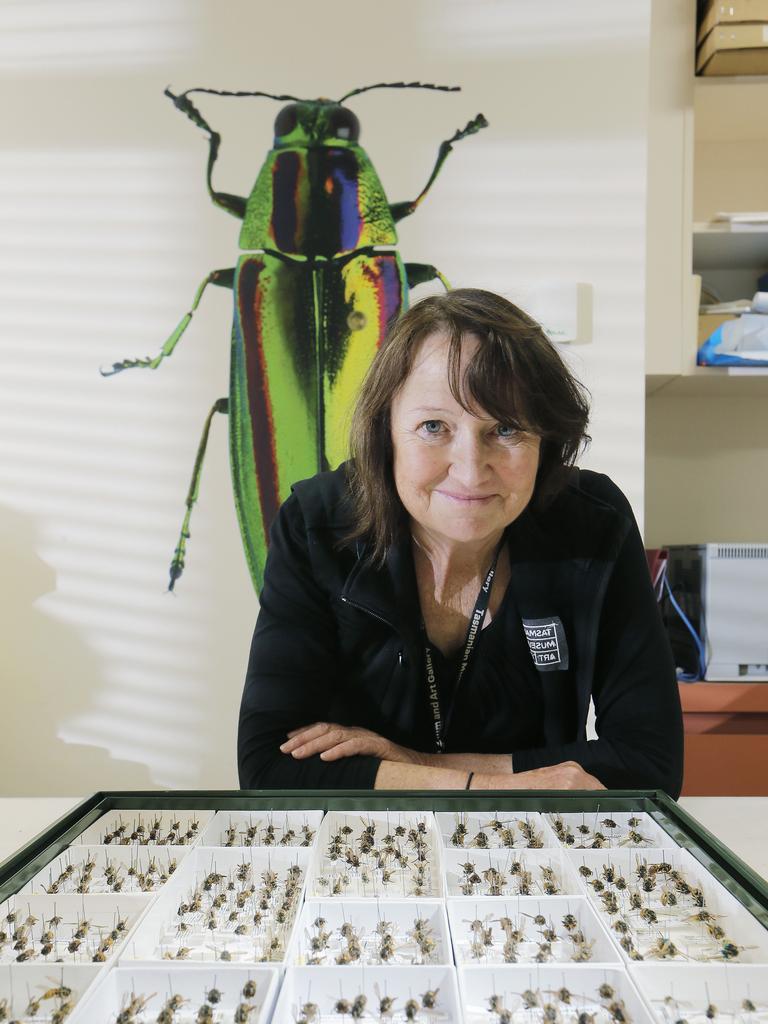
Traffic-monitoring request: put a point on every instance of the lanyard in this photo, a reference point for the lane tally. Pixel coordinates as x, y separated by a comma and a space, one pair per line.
439, 723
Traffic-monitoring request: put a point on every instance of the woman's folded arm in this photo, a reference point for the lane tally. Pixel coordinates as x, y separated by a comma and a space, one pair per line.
292, 672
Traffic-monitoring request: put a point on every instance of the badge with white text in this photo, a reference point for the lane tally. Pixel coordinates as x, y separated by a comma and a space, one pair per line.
547, 643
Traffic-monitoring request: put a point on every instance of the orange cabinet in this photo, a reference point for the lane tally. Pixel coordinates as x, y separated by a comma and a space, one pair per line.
726, 739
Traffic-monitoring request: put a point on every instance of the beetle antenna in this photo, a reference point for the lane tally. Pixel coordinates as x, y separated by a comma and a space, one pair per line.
227, 92
401, 85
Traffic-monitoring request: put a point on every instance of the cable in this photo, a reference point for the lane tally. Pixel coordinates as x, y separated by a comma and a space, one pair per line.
687, 677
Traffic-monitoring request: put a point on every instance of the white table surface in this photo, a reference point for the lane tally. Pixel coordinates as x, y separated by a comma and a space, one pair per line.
23, 817
739, 822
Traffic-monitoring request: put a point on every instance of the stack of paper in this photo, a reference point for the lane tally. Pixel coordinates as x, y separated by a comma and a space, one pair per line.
754, 220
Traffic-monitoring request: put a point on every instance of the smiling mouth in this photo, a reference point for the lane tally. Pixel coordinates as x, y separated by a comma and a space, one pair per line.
468, 499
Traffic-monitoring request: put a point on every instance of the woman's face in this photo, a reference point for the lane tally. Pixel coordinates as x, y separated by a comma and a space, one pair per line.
461, 476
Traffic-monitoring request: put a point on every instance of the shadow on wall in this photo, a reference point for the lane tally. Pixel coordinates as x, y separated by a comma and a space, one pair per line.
36, 685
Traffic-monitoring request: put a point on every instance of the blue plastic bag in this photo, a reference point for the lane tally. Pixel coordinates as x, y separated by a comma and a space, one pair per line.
742, 342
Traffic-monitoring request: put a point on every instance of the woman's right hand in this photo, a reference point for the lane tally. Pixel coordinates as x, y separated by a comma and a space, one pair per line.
567, 775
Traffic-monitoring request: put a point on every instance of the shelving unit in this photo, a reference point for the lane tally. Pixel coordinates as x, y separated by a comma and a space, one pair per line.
718, 164
709, 382
730, 141
706, 427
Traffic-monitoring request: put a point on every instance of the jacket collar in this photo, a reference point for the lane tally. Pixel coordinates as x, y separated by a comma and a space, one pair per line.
389, 592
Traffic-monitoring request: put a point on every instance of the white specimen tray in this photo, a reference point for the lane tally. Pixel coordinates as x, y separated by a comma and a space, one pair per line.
158, 937
684, 994
261, 828
690, 938
113, 991
101, 912
523, 911
132, 860
589, 828
365, 916
343, 880
19, 984
511, 864
478, 984
500, 829
133, 819
323, 986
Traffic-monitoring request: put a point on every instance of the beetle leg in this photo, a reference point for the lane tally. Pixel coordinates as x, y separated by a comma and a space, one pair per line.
177, 562
420, 273
400, 210
231, 203
223, 278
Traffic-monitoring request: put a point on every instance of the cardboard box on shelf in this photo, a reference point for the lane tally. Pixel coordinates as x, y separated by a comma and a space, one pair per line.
719, 14
734, 50
709, 322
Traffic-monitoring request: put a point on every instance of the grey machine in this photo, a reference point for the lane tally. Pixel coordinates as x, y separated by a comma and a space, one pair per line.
723, 590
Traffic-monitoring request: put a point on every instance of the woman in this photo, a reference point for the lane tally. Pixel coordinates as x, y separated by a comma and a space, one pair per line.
438, 612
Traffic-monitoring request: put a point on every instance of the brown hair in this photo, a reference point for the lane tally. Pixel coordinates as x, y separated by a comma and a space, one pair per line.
516, 375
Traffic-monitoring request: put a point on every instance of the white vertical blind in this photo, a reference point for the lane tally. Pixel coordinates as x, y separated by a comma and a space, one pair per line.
93, 265
93, 34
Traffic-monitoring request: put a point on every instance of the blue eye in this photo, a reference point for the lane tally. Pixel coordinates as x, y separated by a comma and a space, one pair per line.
505, 431
432, 426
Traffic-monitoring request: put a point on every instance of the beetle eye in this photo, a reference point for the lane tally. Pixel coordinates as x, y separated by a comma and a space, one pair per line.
343, 124
286, 120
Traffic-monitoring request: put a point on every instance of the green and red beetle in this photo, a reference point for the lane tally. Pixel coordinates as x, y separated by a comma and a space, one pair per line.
317, 284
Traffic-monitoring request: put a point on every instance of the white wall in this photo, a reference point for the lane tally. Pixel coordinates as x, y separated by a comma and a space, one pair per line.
706, 470
107, 681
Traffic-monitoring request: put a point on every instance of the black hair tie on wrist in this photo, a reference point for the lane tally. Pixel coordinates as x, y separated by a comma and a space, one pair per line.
469, 780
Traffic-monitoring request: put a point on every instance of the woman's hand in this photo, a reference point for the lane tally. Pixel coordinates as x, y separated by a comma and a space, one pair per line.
332, 741
567, 775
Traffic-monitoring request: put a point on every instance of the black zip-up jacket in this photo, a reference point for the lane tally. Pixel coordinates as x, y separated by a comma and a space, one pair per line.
339, 640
